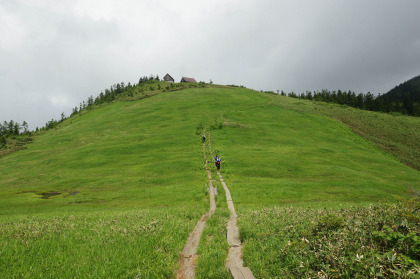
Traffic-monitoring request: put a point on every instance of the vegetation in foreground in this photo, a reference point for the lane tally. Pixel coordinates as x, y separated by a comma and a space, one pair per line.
214, 248
103, 244
378, 241
112, 192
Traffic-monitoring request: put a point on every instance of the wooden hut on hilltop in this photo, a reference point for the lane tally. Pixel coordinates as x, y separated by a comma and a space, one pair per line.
186, 79
168, 78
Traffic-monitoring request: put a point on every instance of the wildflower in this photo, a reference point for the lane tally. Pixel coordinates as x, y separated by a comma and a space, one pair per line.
301, 265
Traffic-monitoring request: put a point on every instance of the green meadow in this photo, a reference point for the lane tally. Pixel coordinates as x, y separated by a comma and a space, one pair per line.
278, 156
115, 192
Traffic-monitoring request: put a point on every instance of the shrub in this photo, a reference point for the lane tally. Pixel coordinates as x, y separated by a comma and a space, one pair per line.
216, 122
356, 242
328, 223
200, 128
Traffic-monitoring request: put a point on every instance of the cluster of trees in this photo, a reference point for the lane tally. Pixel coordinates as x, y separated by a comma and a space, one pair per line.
109, 95
12, 129
362, 101
51, 124
407, 94
148, 78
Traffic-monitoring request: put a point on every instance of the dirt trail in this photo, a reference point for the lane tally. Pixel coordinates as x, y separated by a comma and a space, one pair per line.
234, 262
189, 253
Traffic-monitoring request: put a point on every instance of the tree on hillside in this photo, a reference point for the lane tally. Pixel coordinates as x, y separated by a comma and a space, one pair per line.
90, 101
369, 99
16, 129
408, 105
10, 127
74, 111
2, 130
25, 127
378, 104
3, 140
360, 101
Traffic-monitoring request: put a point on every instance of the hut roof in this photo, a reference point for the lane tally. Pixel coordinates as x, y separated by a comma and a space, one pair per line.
187, 79
168, 77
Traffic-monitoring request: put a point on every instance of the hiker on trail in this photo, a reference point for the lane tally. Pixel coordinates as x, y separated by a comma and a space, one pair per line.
204, 138
217, 161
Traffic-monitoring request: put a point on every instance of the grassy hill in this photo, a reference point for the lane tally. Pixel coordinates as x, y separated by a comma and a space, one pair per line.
116, 191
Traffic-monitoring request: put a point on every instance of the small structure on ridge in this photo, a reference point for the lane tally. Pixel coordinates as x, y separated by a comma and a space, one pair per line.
186, 79
168, 78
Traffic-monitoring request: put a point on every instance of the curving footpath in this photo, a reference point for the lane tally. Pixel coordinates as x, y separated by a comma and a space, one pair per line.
189, 253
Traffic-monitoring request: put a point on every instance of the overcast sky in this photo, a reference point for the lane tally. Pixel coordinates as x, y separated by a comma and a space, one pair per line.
54, 54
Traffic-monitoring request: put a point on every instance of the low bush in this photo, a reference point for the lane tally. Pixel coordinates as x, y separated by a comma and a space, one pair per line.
217, 122
328, 224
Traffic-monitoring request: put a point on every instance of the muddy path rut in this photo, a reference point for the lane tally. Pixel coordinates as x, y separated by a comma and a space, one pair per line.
234, 262
189, 253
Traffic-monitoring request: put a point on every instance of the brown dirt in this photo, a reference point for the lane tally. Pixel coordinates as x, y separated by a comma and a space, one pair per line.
189, 253
234, 262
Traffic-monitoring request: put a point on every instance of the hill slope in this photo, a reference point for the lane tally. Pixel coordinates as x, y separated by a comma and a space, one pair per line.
127, 184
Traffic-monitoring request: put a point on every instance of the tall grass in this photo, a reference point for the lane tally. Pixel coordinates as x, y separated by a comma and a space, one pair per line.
112, 244
356, 242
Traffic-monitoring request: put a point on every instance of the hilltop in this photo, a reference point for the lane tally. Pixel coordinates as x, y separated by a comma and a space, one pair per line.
114, 190
409, 89
406, 95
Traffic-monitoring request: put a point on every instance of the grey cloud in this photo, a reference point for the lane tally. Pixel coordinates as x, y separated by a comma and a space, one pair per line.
55, 55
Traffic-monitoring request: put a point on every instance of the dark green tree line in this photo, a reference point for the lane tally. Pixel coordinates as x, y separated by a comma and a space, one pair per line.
366, 101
